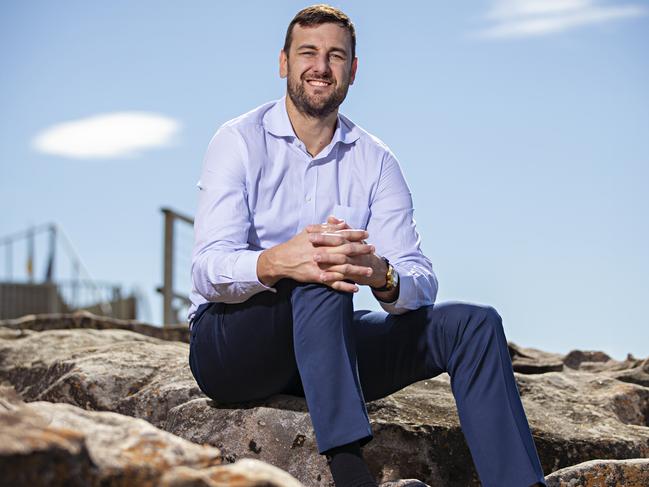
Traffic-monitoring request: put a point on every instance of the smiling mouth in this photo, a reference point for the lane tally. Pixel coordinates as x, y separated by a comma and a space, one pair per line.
317, 82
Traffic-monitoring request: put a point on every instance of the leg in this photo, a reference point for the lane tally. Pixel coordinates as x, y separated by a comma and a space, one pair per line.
325, 351
305, 332
233, 345
468, 342
242, 352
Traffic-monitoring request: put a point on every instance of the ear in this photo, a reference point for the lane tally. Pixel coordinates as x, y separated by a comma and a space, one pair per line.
352, 76
283, 64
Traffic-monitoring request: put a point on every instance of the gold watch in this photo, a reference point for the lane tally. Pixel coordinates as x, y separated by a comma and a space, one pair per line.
391, 278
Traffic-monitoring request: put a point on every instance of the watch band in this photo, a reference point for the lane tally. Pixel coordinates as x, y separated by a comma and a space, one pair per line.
391, 278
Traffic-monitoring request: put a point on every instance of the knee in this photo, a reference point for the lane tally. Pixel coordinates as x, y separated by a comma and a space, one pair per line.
470, 317
314, 293
316, 307
489, 314
488, 326
487, 319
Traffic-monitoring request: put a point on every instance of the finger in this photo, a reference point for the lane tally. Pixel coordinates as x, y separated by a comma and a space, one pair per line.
317, 227
327, 239
350, 271
337, 281
337, 221
333, 239
332, 224
353, 234
330, 258
351, 249
334, 227
314, 227
344, 286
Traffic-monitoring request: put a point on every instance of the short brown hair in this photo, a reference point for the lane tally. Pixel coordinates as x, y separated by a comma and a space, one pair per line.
320, 14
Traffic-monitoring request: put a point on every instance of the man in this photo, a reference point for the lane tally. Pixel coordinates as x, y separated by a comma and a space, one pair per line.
272, 290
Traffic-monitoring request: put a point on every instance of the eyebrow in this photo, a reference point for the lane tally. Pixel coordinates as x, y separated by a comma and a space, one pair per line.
315, 48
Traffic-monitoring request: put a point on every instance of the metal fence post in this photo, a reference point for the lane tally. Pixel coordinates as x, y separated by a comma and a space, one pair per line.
168, 278
169, 295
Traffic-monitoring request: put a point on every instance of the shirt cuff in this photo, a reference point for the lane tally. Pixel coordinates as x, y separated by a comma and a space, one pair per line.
406, 290
245, 270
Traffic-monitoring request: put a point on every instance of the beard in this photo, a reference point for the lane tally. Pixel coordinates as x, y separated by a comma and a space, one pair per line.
318, 106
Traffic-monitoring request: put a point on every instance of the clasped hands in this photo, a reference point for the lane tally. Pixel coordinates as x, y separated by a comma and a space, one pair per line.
342, 255
331, 253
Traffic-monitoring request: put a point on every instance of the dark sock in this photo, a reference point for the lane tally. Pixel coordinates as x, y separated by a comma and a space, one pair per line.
348, 467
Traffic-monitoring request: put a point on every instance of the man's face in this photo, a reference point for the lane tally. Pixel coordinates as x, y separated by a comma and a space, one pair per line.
318, 68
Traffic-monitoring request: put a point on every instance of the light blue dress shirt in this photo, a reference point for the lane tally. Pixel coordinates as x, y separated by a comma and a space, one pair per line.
259, 187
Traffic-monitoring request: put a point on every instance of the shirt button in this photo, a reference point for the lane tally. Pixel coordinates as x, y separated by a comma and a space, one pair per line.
308, 199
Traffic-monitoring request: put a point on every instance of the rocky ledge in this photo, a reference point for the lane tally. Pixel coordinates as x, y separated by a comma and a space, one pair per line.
582, 407
62, 445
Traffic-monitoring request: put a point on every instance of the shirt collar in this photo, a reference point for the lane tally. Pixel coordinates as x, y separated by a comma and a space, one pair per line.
276, 122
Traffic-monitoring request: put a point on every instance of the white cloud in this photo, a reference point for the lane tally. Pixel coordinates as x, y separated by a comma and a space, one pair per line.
110, 135
526, 18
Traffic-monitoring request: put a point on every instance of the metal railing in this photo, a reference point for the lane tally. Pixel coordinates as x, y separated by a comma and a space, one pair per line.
170, 295
24, 293
22, 298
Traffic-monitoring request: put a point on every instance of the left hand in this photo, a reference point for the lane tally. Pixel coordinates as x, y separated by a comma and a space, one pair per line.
339, 262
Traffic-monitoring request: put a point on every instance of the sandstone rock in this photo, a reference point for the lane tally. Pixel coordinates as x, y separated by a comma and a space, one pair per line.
602, 473
533, 361
578, 416
46, 444
50, 444
405, 483
245, 472
596, 361
34, 453
85, 319
108, 370
575, 358
575, 415
635, 375
121, 371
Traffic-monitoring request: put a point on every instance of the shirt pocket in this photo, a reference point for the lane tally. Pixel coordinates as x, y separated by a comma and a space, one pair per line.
355, 216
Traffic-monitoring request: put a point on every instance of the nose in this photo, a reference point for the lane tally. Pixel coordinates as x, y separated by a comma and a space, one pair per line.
321, 64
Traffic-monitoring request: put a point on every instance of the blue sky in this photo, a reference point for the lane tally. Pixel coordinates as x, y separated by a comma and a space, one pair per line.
522, 127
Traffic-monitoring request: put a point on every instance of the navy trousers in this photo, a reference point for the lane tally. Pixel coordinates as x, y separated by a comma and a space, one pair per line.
307, 340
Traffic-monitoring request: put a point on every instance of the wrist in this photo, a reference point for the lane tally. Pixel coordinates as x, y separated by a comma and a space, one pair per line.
379, 273
267, 268
390, 279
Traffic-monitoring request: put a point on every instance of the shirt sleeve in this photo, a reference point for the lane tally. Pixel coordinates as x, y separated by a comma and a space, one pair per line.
224, 267
393, 232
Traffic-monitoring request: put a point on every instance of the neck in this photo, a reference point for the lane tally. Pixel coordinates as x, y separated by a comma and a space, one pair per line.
316, 133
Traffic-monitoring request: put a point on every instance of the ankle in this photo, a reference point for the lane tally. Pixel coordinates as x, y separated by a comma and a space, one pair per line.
347, 466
